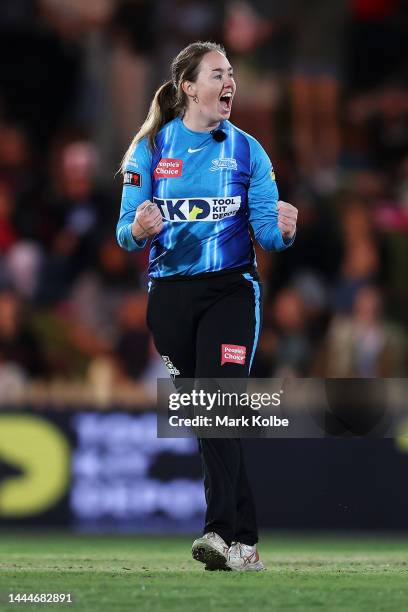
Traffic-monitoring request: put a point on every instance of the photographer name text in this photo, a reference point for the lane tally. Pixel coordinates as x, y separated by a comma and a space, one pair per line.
255, 420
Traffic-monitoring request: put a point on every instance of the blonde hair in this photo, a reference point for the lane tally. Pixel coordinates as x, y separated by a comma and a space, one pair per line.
170, 101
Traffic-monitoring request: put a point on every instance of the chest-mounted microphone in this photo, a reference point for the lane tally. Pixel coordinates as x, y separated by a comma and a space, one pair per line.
218, 135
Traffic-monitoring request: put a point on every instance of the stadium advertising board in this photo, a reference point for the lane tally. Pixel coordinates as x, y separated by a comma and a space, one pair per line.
108, 471
93, 470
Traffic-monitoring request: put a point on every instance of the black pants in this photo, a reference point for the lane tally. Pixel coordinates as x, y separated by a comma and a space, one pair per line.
190, 321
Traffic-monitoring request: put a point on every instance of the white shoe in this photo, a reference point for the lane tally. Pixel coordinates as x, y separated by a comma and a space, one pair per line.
211, 550
244, 558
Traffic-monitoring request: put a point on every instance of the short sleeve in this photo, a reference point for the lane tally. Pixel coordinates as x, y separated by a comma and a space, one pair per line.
263, 198
137, 187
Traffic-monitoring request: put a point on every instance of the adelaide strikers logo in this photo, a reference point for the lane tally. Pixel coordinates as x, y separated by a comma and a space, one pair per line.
198, 209
226, 163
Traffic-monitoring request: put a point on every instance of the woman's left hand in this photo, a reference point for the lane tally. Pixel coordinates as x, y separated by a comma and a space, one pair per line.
287, 217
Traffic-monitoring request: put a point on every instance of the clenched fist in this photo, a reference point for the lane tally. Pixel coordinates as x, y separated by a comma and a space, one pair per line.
287, 217
148, 221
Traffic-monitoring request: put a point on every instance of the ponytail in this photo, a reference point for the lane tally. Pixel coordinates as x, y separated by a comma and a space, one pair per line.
162, 110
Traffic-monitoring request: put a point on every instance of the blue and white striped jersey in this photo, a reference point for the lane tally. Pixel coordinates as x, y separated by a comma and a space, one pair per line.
209, 193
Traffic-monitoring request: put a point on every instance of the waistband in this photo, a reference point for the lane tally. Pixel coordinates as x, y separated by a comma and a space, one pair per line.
207, 275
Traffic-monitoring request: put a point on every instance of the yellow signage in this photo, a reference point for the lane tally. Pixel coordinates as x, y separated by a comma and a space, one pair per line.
40, 454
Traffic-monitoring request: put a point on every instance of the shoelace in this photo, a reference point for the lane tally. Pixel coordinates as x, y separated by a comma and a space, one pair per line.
214, 536
236, 550
247, 558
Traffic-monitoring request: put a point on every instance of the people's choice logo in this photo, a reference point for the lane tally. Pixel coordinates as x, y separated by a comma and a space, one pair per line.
169, 168
233, 353
198, 209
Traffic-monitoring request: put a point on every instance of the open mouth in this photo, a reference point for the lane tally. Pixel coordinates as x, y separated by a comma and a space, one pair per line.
226, 101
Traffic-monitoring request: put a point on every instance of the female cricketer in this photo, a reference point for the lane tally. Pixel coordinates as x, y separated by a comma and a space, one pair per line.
195, 184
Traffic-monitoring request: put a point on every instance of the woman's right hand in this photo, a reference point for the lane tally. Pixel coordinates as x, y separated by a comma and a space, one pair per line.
148, 221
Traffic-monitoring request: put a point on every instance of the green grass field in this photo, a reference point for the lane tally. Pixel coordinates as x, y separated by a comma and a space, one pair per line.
139, 573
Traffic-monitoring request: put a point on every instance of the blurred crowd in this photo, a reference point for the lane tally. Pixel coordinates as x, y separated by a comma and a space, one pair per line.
322, 85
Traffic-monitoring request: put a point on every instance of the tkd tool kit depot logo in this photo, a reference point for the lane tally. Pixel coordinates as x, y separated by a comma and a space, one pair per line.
198, 209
